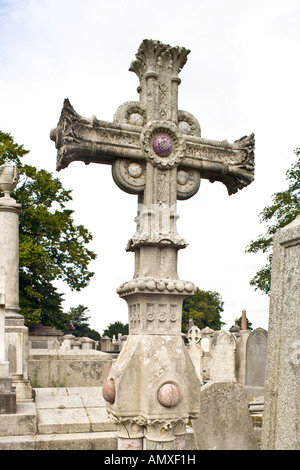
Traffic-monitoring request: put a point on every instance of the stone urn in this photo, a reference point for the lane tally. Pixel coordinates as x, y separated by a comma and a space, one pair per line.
9, 177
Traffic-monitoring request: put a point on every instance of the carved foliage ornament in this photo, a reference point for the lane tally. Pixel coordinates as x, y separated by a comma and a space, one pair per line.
153, 54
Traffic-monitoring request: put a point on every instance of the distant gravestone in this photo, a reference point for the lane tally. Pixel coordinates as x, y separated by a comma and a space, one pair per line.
224, 422
207, 336
256, 354
195, 350
223, 357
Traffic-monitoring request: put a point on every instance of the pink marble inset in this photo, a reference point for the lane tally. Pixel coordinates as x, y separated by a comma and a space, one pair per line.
169, 395
109, 391
162, 146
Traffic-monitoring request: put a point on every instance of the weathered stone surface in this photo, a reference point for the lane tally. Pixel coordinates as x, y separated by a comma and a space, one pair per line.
224, 422
281, 430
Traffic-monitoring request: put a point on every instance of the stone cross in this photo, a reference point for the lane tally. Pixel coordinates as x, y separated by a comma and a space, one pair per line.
195, 350
156, 152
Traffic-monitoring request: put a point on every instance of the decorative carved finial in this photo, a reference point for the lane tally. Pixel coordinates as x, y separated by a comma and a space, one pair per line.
154, 56
9, 177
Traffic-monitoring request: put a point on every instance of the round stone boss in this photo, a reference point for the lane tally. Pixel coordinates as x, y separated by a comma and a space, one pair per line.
188, 183
130, 176
109, 391
169, 395
163, 144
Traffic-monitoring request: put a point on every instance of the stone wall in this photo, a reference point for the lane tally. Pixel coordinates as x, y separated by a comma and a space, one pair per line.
73, 368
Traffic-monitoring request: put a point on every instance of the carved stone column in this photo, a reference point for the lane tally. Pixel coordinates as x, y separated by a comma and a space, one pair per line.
16, 334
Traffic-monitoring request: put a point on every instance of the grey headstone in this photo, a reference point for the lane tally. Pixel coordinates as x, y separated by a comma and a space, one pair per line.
256, 354
224, 422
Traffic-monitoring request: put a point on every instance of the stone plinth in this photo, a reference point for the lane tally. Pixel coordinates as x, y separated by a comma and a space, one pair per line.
281, 430
146, 364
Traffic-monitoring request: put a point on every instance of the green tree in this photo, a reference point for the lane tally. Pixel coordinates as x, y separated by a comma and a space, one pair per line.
51, 246
80, 320
284, 209
115, 328
205, 308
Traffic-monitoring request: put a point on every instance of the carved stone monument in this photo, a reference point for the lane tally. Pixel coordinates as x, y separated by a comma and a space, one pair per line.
156, 152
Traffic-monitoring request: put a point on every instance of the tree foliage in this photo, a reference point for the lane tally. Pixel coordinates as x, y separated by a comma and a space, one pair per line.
116, 328
80, 320
205, 308
284, 209
51, 246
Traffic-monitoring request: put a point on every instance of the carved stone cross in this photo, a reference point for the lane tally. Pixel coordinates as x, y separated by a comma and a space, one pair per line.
157, 152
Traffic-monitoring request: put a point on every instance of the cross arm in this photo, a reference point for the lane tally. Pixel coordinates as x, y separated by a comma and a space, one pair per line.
231, 164
91, 140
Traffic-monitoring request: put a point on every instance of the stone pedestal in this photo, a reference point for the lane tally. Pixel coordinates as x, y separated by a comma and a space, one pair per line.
157, 390
281, 430
7, 393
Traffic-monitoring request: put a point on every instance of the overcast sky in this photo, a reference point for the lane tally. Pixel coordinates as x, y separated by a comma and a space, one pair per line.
242, 76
